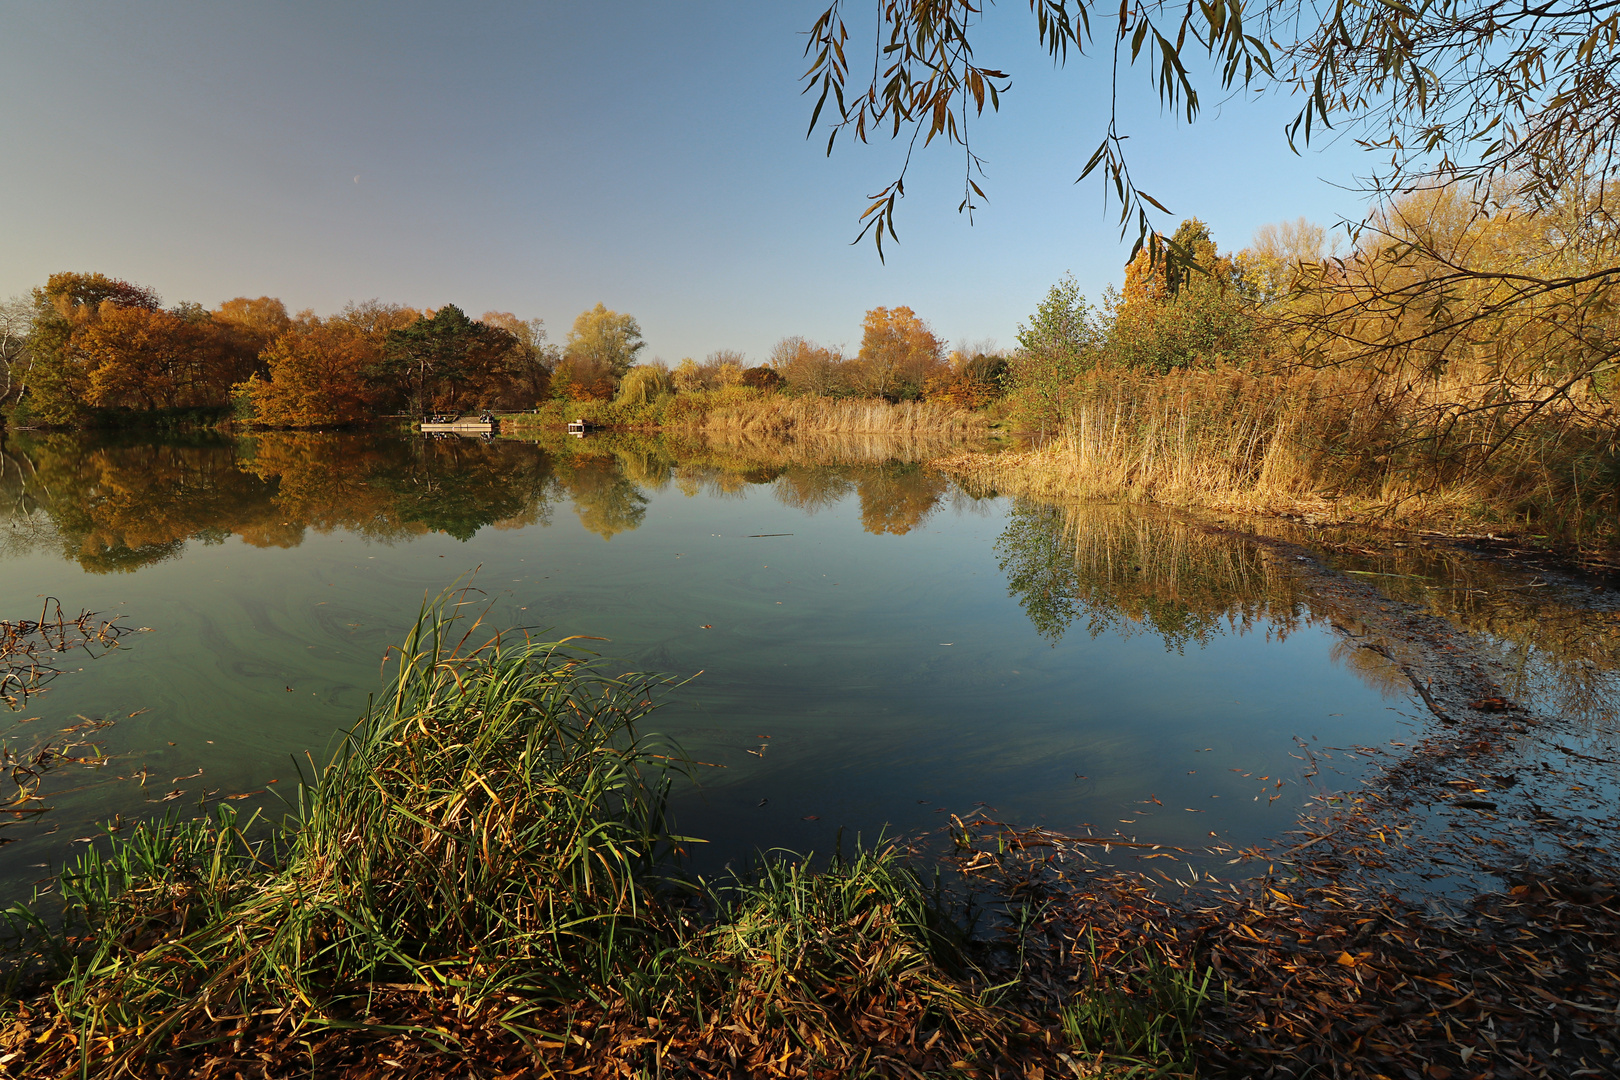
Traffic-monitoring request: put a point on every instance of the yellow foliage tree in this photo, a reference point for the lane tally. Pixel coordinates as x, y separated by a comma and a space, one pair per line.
899, 353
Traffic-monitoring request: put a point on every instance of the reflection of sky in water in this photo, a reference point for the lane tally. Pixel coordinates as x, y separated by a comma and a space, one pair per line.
869, 670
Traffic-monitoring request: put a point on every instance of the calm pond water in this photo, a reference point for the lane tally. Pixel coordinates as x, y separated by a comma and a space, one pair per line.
877, 645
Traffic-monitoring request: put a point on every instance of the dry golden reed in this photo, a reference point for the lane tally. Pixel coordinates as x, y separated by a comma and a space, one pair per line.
1333, 443
778, 414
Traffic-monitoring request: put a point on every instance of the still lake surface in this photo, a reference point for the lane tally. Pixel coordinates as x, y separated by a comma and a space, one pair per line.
878, 646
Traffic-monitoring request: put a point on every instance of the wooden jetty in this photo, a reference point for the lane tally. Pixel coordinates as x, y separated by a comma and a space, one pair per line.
460, 425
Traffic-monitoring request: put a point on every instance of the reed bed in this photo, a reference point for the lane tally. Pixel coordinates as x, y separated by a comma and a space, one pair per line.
755, 449
781, 415
1454, 450
756, 412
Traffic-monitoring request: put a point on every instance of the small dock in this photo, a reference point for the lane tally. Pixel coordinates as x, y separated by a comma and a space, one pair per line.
578, 428
460, 425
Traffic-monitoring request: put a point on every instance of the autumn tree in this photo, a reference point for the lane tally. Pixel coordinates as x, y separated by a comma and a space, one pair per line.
526, 367
1177, 315
318, 372
377, 318
607, 338
601, 347
65, 304
972, 378
721, 368
140, 358
250, 325
1278, 255
761, 377
808, 368
899, 353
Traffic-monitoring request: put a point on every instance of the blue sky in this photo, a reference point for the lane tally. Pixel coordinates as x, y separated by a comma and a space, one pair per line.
539, 158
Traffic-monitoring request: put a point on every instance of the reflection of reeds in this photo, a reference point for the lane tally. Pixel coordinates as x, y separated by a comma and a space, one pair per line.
780, 415
1551, 648
1121, 569
1124, 568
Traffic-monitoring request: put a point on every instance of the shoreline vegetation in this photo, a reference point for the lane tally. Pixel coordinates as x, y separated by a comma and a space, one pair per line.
484, 881
484, 877
764, 414
1403, 382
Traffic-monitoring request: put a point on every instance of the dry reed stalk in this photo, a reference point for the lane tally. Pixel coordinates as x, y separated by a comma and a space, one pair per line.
782, 415
1339, 443
753, 448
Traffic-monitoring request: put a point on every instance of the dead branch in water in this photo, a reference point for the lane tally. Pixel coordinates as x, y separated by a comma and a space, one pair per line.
29, 648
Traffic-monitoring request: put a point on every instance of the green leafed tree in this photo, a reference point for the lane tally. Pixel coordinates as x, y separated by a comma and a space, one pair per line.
605, 338
446, 360
1059, 342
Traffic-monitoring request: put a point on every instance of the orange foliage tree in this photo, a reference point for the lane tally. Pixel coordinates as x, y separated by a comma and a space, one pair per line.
899, 353
250, 326
66, 304
139, 358
319, 372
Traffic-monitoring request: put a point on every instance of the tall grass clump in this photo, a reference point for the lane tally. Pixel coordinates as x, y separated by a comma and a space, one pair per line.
484, 879
494, 825
864, 940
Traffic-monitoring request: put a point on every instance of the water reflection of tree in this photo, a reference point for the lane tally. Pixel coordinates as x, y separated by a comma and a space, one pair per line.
117, 506
1124, 572
1121, 569
812, 488
896, 495
896, 498
604, 498
25, 522
388, 488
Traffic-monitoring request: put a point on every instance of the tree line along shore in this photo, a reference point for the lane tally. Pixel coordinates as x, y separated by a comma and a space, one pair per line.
1405, 380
